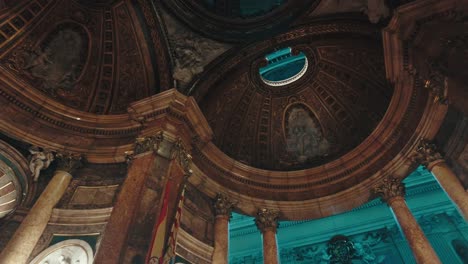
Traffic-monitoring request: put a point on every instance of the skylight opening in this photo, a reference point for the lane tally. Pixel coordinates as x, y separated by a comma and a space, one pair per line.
283, 67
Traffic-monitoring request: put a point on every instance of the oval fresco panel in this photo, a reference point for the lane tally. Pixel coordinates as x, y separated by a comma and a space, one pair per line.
59, 59
304, 137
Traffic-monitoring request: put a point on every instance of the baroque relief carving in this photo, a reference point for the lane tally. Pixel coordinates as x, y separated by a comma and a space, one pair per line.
390, 188
191, 51
69, 162
39, 160
267, 219
425, 153
223, 205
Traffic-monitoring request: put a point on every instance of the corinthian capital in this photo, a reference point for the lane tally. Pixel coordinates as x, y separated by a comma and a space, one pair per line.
425, 153
390, 188
267, 219
223, 205
146, 144
68, 162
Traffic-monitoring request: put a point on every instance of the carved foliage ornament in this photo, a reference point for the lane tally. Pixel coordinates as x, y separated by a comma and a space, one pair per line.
267, 219
223, 205
184, 158
425, 153
69, 162
145, 144
152, 143
391, 187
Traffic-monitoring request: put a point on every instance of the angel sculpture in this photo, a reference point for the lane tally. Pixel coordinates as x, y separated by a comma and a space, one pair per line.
39, 160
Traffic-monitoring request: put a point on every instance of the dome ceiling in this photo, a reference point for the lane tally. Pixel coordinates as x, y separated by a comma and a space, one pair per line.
238, 20
93, 60
324, 114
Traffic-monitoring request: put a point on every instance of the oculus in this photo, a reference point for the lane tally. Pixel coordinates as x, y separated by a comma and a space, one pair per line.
283, 67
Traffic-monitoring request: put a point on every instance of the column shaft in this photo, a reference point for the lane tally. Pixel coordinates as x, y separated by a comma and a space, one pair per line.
451, 184
270, 250
29, 232
221, 238
420, 246
115, 235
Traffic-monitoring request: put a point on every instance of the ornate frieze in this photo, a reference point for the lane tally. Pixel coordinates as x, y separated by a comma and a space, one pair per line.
267, 219
69, 162
425, 153
390, 188
223, 205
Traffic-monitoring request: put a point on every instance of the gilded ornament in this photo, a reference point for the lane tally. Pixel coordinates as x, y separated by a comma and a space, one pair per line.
425, 153
69, 162
223, 205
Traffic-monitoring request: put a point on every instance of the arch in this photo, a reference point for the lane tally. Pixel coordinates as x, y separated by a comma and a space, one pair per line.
70, 251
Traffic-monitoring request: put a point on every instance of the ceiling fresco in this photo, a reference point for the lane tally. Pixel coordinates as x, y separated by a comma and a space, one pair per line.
95, 60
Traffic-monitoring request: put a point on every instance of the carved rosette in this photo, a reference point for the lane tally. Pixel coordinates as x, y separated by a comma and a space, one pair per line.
146, 144
69, 162
390, 188
223, 206
426, 153
267, 219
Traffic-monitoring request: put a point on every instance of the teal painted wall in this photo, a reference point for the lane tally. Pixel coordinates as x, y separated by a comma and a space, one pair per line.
371, 226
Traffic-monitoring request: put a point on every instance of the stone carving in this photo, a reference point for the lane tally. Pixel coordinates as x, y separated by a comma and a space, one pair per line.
341, 250
191, 51
267, 219
390, 188
223, 205
304, 137
59, 60
425, 153
183, 157
39, 160
145, 144
436, 82
69, 162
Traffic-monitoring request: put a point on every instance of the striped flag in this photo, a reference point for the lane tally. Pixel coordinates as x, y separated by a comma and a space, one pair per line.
169, 256
156, 252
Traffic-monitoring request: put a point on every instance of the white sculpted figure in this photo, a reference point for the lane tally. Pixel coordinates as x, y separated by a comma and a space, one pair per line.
39, 160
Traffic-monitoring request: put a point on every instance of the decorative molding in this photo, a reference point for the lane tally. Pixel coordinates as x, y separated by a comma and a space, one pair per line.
267, 219
223, 205
390, 188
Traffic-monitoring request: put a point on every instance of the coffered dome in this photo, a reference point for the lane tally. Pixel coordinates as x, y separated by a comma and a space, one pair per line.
336, 95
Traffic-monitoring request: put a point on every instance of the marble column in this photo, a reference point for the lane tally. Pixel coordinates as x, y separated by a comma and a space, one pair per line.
27, 235
223, 208
267, 223
392, 192
426, 154
158, 169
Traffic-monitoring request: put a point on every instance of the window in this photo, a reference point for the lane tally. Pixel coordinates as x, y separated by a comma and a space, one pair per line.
283, 67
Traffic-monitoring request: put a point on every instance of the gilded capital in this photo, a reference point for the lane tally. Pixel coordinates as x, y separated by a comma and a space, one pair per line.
146, 144
68, 162
425, 153
390, 188
223, 205
267, 219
